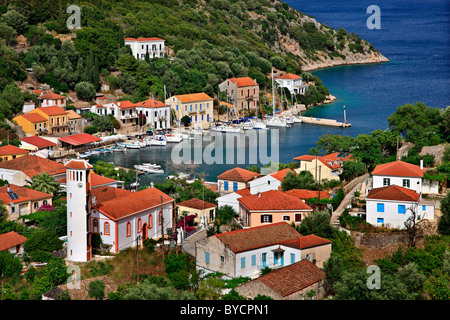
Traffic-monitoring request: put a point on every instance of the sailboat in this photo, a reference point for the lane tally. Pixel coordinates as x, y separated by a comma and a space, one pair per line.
275, 120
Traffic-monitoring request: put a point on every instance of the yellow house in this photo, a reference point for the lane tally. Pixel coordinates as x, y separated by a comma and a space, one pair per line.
197, 106
57, 118
323, 167
32, 123
9, 152
199, 208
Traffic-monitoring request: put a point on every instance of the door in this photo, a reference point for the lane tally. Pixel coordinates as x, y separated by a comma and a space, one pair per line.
144, 232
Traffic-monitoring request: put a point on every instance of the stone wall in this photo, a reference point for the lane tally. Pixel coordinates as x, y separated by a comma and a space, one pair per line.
382, 240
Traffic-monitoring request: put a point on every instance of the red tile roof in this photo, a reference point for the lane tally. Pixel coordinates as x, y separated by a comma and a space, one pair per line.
307, 194
51, 96
273, 200
196, 204
289, 76
393, 192
10, 150
33, 117
243, 81
193, 97
238, 174
103, 194
52, 110
78, 164
125, 104
305, 242
134, 202
244, 192
32, 165
151, 103
292, 278
143, 39
279, 175
24, 194
96, 180
306, 157
39, 142
398, 168
332, 160
257, 237
79, 139
11, 239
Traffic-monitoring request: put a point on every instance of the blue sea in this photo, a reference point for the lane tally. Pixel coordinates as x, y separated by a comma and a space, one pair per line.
414, 36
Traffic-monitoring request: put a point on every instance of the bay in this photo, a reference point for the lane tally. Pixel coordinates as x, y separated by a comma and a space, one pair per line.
413, 36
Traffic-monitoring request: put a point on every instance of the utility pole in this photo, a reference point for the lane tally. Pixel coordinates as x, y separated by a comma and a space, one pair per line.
137, 257
162, 226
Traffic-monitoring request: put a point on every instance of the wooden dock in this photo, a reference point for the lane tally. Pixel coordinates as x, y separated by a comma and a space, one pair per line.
325, 122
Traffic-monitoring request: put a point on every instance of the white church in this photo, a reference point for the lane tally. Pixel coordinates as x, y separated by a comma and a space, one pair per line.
119, 216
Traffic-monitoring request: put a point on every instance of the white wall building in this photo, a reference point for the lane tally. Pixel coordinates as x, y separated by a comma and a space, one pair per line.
391, 206
122, 218
140, 46
157, 114
292, 82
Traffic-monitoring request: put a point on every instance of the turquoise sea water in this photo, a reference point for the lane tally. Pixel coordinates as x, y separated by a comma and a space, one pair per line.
413, 36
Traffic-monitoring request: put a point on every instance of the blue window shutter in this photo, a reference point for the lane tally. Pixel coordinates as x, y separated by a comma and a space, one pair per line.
264, 259
254, 260
225, 185
424, 208
380, 220
242, 262
292, 258
207, 117
380, 207
235, 186
275, 258
207, 257
401, 208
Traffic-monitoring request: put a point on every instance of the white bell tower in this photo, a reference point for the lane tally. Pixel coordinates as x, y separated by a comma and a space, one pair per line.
78, 211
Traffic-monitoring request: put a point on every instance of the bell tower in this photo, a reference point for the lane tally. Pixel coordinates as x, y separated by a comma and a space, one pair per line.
79, 248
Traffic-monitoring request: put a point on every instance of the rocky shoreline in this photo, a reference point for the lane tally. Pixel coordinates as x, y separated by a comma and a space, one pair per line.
356, 59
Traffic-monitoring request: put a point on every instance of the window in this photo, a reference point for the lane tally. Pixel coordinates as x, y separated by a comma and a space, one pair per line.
207, 257
286, 218
128, 229
254, 260
95, 226
308, 257
225, 186
380, 220
386, 182
275, 258
264, 259
160, 217
292, 258
139, 225
401, 208
424, 208
266, 218
405, 183
150, 221
106, 228
222, 260
36, 205
235, 186
242, 262
380, 207
298, 217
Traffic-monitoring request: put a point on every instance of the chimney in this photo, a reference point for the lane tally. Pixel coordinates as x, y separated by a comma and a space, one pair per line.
259, 194
421, 164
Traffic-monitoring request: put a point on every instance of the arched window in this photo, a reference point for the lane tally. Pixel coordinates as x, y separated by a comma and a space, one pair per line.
128, 229
160, 217
106, 228
95, 225
139, 225
150, 221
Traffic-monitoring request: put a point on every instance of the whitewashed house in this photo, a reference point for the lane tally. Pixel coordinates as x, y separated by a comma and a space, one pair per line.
391, 206
121, 218
12, 242
123, 111
245, 252
157, 114
141, 46
292, 82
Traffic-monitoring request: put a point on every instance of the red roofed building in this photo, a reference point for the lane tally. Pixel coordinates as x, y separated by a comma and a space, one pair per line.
35, 143
292, 282
292, 82
245, 252
52, 99
140, 47
392, 206
57, 118
235, 179
124, 111
20, 201
205, 212
271, 207
243, 92
9, 152
117, 215
12, 242
323, 167
197, 106
400, 173
20, 170
78, 140
157, 114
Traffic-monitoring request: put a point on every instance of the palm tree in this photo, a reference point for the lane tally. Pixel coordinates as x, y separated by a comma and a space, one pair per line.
44, 182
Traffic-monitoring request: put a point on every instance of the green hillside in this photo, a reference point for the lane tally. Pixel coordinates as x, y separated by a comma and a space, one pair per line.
210, 40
